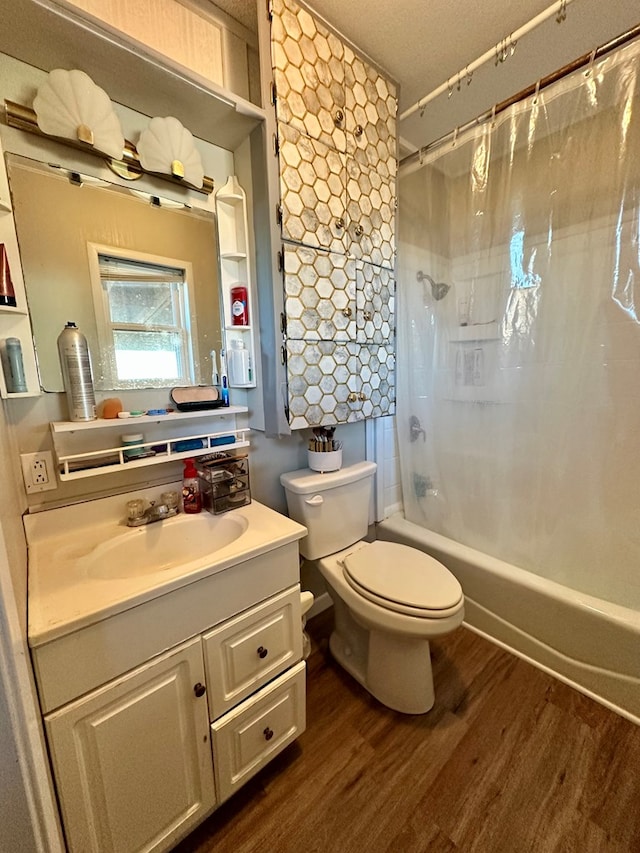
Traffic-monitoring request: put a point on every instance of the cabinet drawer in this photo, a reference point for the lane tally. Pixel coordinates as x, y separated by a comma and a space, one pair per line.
250, 650
247, 738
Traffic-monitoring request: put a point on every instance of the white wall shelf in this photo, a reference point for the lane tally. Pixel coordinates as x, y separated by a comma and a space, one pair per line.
235, 269
80, 451
133, 423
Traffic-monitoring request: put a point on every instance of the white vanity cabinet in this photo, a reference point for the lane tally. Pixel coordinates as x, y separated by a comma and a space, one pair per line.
134, 703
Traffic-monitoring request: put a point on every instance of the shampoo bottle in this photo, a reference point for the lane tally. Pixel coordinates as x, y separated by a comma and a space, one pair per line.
191, 497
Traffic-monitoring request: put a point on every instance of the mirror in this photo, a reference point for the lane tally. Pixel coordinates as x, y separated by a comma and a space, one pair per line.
70, 229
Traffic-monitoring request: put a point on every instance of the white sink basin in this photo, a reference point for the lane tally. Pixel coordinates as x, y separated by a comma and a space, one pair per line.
162, 545
86, 565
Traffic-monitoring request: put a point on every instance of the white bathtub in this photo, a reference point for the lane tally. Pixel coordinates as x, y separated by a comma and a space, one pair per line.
590, 644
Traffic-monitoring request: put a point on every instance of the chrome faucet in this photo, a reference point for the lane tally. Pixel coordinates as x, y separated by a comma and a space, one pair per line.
137, 515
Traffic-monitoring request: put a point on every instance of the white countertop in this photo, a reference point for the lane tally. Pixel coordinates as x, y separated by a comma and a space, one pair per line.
64, 596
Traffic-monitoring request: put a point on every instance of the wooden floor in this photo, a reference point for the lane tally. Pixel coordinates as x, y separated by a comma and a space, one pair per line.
509, 760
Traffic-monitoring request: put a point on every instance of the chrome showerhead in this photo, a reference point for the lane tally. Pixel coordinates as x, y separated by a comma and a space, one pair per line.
438, 288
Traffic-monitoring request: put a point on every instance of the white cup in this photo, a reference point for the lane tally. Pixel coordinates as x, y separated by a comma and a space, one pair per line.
329, 460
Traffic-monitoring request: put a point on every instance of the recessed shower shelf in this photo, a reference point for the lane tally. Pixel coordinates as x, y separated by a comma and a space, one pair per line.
476, 333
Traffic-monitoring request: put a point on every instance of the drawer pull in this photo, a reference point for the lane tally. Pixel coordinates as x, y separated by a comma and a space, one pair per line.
199, 689
268, 733
262, 652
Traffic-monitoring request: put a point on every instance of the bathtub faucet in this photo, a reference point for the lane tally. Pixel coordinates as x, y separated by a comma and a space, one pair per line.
415, 430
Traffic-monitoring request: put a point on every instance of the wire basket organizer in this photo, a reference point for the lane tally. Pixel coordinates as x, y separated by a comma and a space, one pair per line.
224, 482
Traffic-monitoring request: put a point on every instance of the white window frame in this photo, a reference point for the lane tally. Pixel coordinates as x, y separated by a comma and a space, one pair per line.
105, 328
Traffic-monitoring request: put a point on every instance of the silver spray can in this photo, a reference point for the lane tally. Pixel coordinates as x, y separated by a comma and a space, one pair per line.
76, 373
14, 372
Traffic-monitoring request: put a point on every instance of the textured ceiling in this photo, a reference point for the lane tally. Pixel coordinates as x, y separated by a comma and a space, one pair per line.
244, 11
422, 43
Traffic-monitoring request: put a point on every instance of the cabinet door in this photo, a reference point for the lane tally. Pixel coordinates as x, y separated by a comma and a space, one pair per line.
321, 376
132, 760
370, 214
248, 737
312, 190
377, 380
244, 653
371, 106
375, 299
320, 295
308, 68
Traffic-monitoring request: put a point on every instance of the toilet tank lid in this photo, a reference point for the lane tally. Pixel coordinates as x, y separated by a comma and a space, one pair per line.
306, 481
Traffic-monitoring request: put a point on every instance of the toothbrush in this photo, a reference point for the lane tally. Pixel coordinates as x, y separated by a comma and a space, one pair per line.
224, 390
215, 376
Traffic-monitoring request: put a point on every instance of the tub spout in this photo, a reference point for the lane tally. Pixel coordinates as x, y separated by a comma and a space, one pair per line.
415, 430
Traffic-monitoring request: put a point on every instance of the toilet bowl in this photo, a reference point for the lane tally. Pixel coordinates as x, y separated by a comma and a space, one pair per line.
389, 599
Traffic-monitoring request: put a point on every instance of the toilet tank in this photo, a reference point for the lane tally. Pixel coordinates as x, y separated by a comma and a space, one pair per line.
334, 507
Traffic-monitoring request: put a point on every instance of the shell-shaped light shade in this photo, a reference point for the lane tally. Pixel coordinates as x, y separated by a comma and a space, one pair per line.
166, 147
70, 105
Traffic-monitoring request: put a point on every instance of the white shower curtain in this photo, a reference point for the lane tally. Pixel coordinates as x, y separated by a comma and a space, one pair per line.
525, 374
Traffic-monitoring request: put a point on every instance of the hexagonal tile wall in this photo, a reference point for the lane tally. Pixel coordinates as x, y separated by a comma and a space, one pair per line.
308, 63
320, 295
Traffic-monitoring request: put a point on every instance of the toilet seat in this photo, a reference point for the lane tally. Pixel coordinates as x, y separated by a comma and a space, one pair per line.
403, 580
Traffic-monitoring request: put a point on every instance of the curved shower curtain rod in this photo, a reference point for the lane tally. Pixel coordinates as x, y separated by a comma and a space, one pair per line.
559, 8
575, 65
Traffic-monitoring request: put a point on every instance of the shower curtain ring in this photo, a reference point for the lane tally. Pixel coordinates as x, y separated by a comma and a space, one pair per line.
469, 75
589, 70
562, 12
458, 84
513, 44
493, 116
421, 107
450, 88
536, 93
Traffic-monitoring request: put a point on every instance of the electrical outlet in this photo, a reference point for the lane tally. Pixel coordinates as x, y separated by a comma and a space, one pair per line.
38, 471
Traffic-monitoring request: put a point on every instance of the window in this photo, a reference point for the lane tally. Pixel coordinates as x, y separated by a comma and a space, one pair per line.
142, 314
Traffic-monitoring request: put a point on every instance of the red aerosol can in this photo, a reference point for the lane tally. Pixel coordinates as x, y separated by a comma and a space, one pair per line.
239, 306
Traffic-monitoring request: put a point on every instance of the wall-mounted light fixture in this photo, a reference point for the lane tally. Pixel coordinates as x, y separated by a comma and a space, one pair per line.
167, 148
69, 105
70, 108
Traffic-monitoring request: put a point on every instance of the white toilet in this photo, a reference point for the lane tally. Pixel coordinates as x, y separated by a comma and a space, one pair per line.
389, 599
